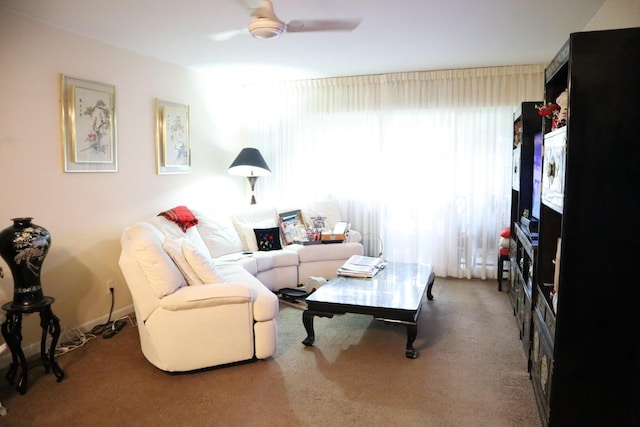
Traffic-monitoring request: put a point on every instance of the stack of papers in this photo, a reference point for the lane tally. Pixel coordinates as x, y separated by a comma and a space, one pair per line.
361, 266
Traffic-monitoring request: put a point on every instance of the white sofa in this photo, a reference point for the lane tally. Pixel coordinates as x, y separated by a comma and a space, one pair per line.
228, 235
200, 301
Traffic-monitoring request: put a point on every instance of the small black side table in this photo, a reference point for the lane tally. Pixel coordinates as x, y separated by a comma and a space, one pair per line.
12, 333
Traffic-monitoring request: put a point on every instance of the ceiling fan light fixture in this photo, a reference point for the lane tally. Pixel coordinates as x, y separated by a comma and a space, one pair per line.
266, 28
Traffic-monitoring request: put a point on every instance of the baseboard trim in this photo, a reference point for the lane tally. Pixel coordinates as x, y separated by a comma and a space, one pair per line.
33, 349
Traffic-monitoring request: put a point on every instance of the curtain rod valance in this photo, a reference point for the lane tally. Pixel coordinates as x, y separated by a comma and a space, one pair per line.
462, 88
449, 74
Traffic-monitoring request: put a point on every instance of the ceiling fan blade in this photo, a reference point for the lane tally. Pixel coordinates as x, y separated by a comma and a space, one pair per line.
227, 35
308, 25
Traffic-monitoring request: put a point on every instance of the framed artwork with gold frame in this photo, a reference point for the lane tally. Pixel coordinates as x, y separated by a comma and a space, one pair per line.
88, 125
173, 137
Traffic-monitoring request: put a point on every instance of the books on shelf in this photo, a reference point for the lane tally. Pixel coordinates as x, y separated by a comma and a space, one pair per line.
361, 266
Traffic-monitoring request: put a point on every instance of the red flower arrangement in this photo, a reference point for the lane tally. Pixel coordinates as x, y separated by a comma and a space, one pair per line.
548, 110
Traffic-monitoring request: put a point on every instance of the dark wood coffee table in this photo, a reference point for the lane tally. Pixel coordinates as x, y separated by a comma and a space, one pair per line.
394, 295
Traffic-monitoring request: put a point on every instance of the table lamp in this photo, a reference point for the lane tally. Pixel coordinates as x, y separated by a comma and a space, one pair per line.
251, 164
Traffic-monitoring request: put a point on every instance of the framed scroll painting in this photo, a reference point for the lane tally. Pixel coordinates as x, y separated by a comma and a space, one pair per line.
88, 125
173, 137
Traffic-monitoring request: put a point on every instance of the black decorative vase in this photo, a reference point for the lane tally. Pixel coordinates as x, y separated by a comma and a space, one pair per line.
24, 246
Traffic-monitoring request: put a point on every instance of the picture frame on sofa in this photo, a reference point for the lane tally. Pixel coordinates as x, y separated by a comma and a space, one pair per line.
293, 227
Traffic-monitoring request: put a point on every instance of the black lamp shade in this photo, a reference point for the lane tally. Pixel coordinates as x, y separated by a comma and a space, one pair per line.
249, 163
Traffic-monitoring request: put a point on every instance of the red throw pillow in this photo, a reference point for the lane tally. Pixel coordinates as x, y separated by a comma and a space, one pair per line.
506, 233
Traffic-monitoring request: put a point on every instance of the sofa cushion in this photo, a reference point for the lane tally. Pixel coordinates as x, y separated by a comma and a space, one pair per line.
201, 263
274, 259
328, 209
171, 229
218, 233
253, 217
247, 262
323, 252
174, 248
268, 239
161, 272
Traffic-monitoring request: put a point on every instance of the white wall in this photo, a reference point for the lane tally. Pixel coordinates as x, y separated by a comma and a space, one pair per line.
616, 14
86, 212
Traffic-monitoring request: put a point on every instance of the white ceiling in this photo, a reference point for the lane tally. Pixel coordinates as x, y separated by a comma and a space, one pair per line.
394, 35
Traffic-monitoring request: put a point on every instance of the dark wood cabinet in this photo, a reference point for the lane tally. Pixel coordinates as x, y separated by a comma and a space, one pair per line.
527, 126
585, 352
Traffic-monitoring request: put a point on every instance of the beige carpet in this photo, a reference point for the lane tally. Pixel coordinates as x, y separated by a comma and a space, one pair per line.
470, 372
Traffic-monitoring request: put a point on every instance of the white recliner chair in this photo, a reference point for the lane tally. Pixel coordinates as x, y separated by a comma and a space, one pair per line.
185, 323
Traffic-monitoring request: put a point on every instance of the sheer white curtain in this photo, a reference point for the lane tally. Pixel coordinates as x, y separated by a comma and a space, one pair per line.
420, 161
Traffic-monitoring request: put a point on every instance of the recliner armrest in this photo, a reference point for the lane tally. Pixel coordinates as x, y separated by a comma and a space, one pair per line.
198, 296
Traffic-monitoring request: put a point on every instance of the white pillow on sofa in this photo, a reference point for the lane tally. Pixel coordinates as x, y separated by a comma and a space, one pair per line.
218, 234
174, 249
162, 274
328, 209
171, 229
201, 263
250, 235
250, 218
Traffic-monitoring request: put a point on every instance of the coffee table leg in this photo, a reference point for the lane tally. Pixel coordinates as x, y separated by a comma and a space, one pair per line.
307, 321
412, 333
432, 279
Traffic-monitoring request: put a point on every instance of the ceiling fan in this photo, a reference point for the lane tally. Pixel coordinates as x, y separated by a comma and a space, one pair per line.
265, 24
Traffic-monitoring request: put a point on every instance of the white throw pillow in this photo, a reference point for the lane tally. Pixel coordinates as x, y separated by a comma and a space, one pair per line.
201, 263
218, 234
174, 249
171, 229
253, 217
250, 235
162, 274
328, 209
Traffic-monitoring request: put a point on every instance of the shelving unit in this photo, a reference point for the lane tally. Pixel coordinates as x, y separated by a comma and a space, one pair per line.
585, 353
526, 124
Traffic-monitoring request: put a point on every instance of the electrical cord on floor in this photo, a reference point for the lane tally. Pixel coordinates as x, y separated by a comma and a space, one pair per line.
101, 328
80, 338
111, 328
69, 343
116, 326
73, 339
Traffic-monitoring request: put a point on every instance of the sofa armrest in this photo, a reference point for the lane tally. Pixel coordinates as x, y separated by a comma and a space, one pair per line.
199, 296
